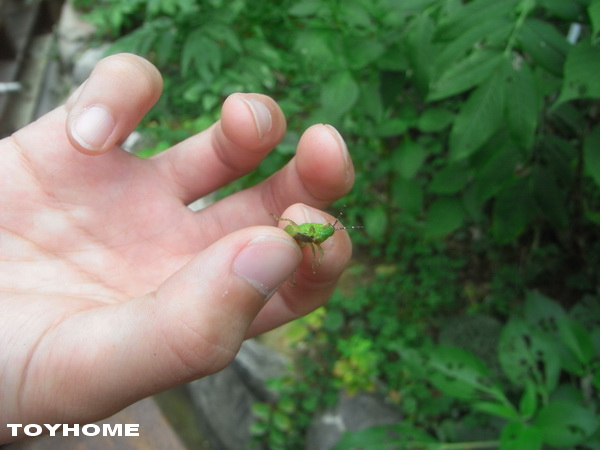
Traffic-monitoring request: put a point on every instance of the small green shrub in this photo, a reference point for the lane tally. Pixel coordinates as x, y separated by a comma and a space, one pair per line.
546, 394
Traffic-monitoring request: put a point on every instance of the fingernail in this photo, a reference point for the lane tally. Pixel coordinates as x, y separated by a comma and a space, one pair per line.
262, 116
92, 127
342, 145
266, 262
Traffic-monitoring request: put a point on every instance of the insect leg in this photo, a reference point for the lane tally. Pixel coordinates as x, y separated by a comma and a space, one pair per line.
284, 219
321, 255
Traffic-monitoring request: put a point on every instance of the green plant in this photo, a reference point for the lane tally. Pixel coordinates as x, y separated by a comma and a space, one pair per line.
547, 394
473, 125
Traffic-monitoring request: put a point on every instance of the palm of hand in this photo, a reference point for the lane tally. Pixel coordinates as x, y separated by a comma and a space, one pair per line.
89, 228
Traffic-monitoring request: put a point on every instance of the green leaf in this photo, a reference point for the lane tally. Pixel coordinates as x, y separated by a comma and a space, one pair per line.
376, 221
370, 101
408, 195
528, 403
545, 44
479, 118
363, 51
392, 127
591, 149
566, 424
333, 320
444, 215
489, 33
526, 355
408, 159
470, 15
550, 197
460, 374
579, 342
314, 46
512, 212
581, 73
449, 180
305, 8
522, 105
497, 409
573, 346
421, 50
466, 74
339, 93
354, 14
568, 11
520, 436
262, 411
594, 13
434, 119
385, 437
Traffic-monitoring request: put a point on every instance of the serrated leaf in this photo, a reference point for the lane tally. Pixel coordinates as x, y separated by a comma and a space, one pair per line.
581, 73
566, 424
479, 117
339, 93
522, 105
444, 215
408, 159
466, 74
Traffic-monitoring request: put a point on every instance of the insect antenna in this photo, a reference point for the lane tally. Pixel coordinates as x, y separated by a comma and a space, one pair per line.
355, 227
344, 228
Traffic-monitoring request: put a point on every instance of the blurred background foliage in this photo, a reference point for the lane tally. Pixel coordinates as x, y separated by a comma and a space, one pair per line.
474, 128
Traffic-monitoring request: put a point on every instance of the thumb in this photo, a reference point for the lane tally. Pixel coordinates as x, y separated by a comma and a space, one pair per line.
192, 326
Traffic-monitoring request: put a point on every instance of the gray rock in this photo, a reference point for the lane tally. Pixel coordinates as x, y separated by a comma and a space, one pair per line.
85, 63
224, 400
352, 413
73, 32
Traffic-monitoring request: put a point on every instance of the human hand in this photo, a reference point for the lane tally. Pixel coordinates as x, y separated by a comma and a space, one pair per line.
111, 289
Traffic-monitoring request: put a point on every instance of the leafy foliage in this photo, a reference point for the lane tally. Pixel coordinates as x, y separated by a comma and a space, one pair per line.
546, 356
474, 127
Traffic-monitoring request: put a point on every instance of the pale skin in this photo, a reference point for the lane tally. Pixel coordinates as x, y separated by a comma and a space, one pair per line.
111, 289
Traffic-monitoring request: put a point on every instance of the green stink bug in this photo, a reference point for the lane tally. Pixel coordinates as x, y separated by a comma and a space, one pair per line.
313, 234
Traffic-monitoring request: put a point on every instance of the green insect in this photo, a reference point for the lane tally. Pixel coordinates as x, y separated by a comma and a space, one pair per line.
313, 234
